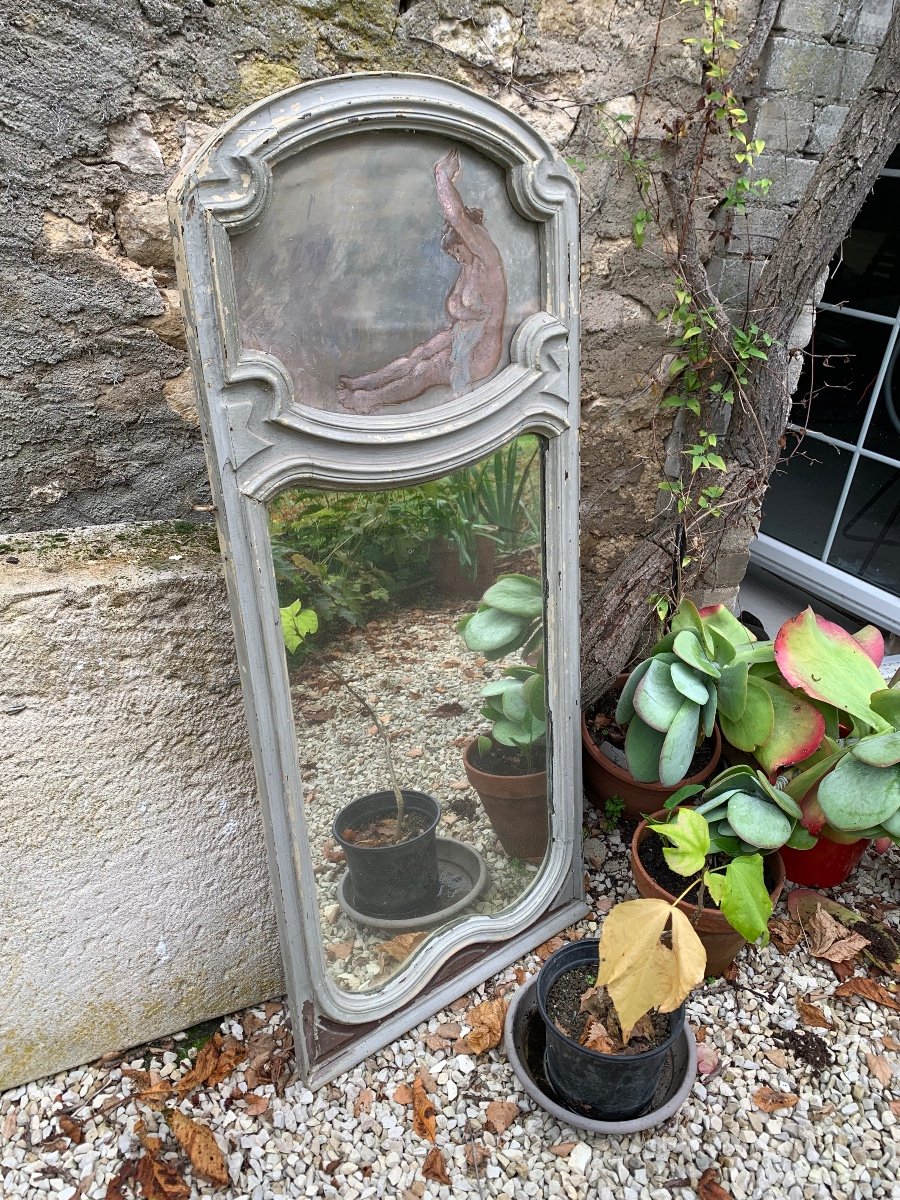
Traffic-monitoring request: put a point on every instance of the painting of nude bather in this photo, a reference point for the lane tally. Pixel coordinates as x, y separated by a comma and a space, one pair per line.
389, 272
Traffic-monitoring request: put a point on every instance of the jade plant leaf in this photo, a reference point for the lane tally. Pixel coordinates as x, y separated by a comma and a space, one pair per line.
724, 843
797, 730
519, 595
746, 904
625, 707
643, 746
828, 664
515, 706
757, 720
724, 622
723, 651
732, 690
709, 714
679, 745
785, 802
687, 616
689, 649
882, 750
801, 839
657, 700
689, 833
758, 822
856, 796
685, 679
685, 792
489, 630
886, 702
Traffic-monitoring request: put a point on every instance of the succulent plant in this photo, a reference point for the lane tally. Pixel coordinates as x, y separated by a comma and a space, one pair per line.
850, 788
745, 814
709, 667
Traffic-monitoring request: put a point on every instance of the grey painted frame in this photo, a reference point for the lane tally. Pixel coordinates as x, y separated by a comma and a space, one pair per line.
258, 441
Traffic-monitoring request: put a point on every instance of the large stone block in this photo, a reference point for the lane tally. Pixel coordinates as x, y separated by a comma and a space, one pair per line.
133, 877
784, 124
804, 69
808, 16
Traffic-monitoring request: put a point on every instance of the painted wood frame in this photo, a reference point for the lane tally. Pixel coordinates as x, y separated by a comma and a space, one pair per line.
258, 441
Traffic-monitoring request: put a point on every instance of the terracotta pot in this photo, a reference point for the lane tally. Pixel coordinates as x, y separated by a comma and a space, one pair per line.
721, 942
604, 779
450, 577
516, 806
826, 865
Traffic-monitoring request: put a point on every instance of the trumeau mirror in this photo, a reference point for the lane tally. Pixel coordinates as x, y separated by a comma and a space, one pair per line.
379, 277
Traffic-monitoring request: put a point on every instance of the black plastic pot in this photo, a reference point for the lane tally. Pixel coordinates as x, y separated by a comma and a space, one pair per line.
392, 881
602, 1086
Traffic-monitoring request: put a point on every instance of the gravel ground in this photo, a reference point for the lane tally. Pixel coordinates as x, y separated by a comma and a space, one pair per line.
354, 1139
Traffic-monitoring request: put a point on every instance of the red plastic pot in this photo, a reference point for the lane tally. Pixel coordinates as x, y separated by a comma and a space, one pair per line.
826, 865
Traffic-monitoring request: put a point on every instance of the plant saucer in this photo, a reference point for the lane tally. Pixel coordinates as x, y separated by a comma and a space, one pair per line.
524, 1041
463, 874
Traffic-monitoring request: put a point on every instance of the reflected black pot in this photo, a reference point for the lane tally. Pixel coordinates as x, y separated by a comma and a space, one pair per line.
601, 1086
392, 881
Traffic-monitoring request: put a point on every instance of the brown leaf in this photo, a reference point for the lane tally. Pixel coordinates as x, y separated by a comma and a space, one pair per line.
476, 1154
215, 1061
363, 1102
448, 1029
596, 1037
450, 708
829, 939
9, 1124
880, 1068
256, 1105
332, 853
424, 1115
562, 1149
159, 1178
140, 1080
428, 1080
400, 947
434, 1167
812, 1016
709, 1188
157, 1096
869, 990
486, 1021
770, 1101
72, 1129
890, 1043
895, 1107
784, 934
125, 1174
200, 1146
403, 1094
501, 1114
433, 1042
777, 1058
731, 972
545, 949
700, 1034
338, 951
271, 1007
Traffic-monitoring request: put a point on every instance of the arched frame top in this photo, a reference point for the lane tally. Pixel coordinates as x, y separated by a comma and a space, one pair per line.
259, 440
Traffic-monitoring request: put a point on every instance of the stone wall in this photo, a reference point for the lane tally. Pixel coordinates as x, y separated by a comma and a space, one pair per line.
134, 877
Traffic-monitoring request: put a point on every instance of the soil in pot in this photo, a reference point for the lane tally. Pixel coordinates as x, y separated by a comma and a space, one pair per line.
576, 1007
651, 855
391, 879
604, 778
591, 1082
515, 803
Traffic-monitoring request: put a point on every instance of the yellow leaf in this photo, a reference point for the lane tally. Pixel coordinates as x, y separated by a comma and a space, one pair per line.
690, 961
629, 933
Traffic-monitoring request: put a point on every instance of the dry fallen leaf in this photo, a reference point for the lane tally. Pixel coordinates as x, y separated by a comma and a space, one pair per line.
9, 1124
890, 1043
784, 934
200, 1146
332, 853
338, 951
813, 1016
363, 1102
400, 947
596, 1037
869, 990
159, 1178
256, 1105
769, 1100
700, 1034
475, 1156
562, 1149
709, 1188
434, 1167
545, 949
72, 1129
895, 1107
707, 1058
424, 1115
433, 1042
157, 1096
880, 1068
403, 1094
829, 939
449, 1029
486, 1021
777, 1058
501, 1114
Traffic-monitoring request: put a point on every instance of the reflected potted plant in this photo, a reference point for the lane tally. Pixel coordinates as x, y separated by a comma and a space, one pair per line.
389, 838
728, 848
849, 788
507, 766
612, 1009
708, 673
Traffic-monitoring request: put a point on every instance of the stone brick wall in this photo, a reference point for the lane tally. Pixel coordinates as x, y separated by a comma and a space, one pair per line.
134, 875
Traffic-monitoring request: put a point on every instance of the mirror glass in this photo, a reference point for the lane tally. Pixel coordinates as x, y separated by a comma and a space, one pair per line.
413, 623
389, 269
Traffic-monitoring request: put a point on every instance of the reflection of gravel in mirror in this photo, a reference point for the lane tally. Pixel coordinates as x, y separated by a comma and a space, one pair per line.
414, 669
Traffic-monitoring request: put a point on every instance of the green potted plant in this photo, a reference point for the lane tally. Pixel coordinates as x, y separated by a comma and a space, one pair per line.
389, 838
728, 848
849, 788
707, 673
507, 766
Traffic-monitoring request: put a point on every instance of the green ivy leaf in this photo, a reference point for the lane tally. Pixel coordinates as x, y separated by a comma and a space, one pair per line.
746, 904
689, 833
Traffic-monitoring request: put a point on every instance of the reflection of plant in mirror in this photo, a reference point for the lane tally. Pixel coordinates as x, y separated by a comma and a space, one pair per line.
297, 623
510, 618
507, 496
